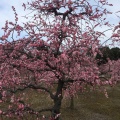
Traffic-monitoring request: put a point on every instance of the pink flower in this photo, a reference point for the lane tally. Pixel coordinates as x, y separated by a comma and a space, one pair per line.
64, 29
0, 111
0, 83
115, 35
21, 106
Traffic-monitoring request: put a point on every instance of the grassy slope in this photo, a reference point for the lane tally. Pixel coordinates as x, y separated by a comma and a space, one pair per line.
95, 106
88, 106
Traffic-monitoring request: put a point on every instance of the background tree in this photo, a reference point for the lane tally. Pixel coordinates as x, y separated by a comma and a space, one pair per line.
103, 56
115, 53
54, 54
107, 53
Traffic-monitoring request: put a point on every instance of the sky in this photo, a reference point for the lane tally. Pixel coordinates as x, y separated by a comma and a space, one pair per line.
7, 13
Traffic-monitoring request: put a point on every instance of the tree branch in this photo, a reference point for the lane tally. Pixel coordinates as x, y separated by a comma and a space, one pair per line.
33, 87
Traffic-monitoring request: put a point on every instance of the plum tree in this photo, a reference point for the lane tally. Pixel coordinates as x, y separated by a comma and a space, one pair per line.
59, 50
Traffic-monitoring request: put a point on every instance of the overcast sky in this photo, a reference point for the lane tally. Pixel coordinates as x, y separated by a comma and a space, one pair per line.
7, 13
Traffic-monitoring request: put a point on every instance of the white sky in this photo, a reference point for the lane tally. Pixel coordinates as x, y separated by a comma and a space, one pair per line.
7, 13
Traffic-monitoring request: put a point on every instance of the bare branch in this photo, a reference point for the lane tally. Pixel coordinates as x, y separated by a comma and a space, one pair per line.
33, 87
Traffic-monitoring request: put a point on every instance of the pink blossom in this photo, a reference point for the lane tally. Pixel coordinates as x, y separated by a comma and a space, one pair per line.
64, 29
0, 83
0, 111
21, 106
115, 35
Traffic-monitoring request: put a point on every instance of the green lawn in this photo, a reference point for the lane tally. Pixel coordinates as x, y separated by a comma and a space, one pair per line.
90, 105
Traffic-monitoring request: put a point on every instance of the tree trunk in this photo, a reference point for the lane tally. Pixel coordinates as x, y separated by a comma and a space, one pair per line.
71, 102
57, 101
56, 109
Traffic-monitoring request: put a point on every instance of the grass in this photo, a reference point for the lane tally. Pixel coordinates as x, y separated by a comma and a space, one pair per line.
95, 106
90, 105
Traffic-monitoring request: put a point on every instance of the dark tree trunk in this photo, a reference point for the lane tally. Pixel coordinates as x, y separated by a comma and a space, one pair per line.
71, 102
1, 96
57, 101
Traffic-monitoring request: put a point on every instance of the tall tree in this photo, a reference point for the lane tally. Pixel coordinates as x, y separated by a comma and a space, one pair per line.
54, 53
